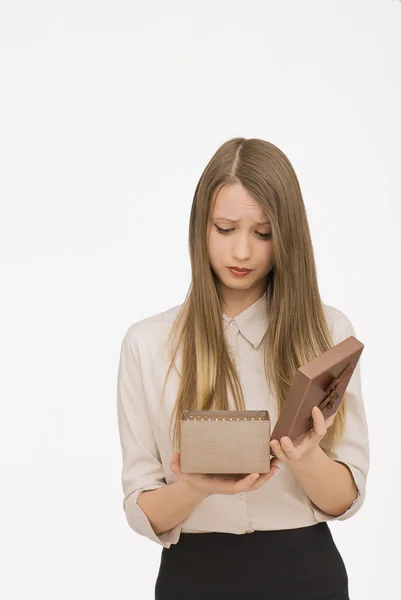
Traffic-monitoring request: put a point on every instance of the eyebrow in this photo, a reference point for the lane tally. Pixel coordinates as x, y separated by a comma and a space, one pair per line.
237, 221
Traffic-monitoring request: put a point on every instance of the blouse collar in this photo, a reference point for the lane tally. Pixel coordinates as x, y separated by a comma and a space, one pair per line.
252, 321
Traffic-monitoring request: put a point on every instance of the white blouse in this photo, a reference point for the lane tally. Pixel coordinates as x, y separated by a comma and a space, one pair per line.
147, 449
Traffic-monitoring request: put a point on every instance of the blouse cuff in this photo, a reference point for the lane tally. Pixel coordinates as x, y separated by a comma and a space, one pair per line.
359, 480
140, 523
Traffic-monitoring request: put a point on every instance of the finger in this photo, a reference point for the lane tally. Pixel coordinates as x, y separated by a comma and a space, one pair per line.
274, 467
279, 451
319, 425
245, 484
329, 422
291, 451
262, 479
175, 464
230, 484
274, 462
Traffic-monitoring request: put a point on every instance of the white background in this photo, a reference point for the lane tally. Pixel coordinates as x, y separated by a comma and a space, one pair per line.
109, 112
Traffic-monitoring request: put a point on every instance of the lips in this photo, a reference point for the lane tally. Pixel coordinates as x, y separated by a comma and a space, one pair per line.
240, 270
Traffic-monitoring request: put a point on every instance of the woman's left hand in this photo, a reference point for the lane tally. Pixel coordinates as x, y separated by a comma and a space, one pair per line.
300, 450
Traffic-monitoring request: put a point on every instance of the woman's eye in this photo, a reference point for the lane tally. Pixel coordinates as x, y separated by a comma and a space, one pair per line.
263, 236
223, 231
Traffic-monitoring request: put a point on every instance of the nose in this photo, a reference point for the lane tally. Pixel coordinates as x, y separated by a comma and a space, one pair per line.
242, 248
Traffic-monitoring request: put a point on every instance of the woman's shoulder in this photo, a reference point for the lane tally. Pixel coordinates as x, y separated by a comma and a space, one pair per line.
339, 324
152, 330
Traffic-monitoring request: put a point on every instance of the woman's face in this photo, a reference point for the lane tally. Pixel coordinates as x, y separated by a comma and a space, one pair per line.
245, 243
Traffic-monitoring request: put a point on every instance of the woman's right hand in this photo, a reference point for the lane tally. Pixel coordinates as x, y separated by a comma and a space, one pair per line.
213, 484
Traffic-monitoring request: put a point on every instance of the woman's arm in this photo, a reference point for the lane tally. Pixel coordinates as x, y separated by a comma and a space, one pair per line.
169, 505
335, 485
329, 484
142, 469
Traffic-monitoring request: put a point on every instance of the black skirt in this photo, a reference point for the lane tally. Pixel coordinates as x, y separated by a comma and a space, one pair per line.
289, 564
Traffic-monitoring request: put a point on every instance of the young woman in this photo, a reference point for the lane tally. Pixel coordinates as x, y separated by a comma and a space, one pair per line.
236, 343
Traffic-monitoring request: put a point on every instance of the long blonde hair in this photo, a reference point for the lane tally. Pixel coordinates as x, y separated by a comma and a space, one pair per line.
297, 328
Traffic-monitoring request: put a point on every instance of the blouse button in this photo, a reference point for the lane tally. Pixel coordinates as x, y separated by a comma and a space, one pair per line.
233, 324
241, 495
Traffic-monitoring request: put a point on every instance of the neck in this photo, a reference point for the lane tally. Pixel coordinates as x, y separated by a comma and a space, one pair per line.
235, 301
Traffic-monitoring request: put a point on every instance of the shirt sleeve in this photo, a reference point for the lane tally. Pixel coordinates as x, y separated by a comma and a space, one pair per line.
353, 449
142, 469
